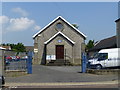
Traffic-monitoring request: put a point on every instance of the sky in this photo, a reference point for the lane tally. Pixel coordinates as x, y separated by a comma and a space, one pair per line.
21, 20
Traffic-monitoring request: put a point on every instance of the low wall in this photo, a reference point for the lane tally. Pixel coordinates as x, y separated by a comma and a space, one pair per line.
103, 71
14, 73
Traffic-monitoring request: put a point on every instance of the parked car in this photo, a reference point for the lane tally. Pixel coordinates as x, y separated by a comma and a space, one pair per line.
25, 57
9, 58
14, 58
2, 80
17, 57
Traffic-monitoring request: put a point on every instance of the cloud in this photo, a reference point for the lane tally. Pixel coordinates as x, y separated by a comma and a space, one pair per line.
4, 19
20, 24
20, 11
17, 24
37, 27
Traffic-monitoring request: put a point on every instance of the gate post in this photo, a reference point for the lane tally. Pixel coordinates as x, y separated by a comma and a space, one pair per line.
29, 63
84, 60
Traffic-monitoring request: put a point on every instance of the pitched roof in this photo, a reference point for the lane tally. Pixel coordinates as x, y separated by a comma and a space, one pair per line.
7, 47
1, 48
64, 21
59, 33
105, 43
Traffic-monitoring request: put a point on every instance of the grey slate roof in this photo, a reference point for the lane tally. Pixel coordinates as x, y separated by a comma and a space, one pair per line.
105, 44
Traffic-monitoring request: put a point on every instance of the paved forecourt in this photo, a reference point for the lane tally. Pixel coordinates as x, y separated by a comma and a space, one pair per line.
60, 75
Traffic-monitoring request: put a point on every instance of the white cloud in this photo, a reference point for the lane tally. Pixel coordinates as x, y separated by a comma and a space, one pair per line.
17, 24
37, 27
20, 11
4, 19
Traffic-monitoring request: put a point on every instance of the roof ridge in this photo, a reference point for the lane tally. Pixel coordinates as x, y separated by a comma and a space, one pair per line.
54, 21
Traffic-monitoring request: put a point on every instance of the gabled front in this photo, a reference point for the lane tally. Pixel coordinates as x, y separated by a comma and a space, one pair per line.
58, 42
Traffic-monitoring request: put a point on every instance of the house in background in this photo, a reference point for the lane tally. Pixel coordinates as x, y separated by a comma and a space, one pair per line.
7, 48
57, 43
8, 51
111, 42
2, 48
103, 44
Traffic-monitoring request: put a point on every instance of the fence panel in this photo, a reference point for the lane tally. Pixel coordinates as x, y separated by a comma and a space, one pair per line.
13, 64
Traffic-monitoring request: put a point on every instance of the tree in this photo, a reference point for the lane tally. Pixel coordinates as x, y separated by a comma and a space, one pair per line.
19, 47
90, 44
3, 44
75, 25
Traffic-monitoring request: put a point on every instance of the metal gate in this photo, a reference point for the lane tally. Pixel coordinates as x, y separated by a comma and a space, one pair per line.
19, 64
16, 64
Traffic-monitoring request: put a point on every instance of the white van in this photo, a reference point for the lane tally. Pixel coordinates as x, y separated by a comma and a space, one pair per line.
106, 58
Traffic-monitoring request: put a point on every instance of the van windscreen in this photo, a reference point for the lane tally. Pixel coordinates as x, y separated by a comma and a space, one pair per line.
102, 56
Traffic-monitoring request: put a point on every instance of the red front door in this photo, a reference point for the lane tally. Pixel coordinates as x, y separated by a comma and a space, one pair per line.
59, 51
